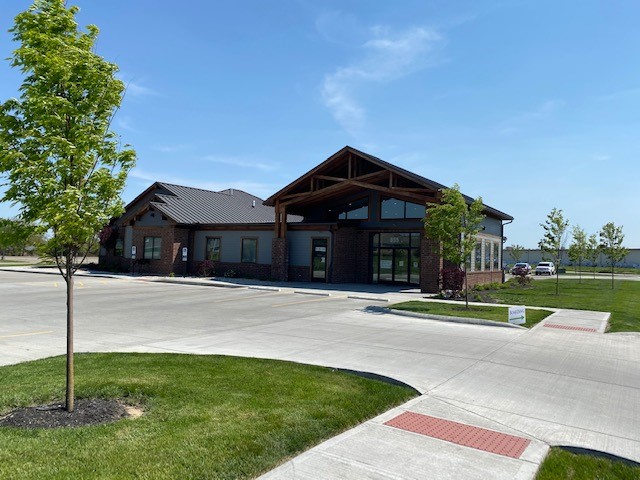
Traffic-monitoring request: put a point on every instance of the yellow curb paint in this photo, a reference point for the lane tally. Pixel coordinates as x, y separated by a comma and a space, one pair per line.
25, 334
320, 299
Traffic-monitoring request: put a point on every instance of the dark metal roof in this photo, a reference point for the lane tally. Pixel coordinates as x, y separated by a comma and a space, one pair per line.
389, 166
187, 205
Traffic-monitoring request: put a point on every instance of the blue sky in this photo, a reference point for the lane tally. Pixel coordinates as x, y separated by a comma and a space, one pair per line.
530, 104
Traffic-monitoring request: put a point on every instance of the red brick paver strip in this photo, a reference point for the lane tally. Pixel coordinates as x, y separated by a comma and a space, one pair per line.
570, 327
461, 434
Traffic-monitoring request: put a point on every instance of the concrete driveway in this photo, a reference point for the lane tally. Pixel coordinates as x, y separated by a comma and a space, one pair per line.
564, 385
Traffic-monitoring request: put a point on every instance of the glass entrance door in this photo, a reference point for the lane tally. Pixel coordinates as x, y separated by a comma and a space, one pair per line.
319, 259
396, 258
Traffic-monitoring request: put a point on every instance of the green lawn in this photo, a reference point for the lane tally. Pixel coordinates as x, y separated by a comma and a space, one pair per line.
564, 465
623, 301
586, 271
206, 416
497, 314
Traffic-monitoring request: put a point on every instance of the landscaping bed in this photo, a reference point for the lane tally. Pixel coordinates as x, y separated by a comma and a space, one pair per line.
561, 464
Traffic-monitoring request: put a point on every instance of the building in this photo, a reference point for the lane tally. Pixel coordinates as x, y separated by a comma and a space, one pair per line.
352, 219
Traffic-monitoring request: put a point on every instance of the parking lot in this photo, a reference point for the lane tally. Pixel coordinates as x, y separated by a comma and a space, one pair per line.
557, 386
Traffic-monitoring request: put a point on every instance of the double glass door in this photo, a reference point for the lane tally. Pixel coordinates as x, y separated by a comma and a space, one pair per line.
396, 258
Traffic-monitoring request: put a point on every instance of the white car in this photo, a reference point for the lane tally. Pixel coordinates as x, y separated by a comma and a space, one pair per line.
545, 268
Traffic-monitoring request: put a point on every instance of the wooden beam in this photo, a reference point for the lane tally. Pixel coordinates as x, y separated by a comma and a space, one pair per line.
333, 179
349, 167
391, 191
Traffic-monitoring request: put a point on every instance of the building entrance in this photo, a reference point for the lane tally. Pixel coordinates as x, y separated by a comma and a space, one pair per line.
396, 258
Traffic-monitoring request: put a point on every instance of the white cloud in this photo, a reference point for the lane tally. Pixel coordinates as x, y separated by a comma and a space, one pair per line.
242, 162
542, 111
125, 123
137, 90
387, 56
620, 94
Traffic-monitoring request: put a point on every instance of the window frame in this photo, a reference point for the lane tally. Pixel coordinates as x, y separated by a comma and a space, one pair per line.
206, 249
153, 248
404, 209
242, 239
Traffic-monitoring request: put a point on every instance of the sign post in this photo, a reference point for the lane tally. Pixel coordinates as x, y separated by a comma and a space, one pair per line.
517, 315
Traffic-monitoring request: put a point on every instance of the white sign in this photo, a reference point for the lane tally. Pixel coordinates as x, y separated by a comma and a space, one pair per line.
385, 264
133, 252
184, 254
517, 315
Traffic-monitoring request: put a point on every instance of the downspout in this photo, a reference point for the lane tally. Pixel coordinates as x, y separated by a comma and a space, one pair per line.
502, 246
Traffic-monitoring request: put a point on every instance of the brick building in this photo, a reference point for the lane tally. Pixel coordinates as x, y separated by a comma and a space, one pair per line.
352, 219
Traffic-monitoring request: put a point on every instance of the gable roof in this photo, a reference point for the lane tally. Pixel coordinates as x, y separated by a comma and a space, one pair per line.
192, 206
339, 157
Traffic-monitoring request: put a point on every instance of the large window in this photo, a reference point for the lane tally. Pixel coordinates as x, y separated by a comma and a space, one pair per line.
356, 210
119, 249
496, 256
152, 247
477, 264
249, 250
487, 255
392, 208
212, 251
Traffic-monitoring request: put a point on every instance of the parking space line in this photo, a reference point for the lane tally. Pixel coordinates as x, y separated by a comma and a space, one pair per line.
319, 299
25, 334
247, 297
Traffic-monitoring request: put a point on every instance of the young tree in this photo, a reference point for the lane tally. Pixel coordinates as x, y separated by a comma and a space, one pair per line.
553, 241
578, 248
592, 251
516, 251
455, 225
64, 165
611, 238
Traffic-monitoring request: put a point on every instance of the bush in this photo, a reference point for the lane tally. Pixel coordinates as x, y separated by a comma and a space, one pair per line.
489, 286
230, 273
452, 279
522, 279
206, 268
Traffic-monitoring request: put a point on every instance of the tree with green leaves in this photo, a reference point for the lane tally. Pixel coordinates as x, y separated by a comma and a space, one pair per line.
455, 224
578, 248
554, 238
611, 238
64, 166
592, 252
516, 251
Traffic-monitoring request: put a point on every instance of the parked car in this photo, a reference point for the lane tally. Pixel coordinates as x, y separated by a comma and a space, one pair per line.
545, 268
521, 268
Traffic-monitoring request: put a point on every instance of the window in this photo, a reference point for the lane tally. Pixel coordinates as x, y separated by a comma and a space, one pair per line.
249, 250
356, 210
478, 257
392, 208
496, 256
119, 250
487, 255
152, 248
212, 250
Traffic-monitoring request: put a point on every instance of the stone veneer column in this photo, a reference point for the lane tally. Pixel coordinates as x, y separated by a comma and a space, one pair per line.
430, 265
279, 260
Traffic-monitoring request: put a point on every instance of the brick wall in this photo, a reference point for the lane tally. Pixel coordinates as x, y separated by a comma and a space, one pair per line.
430, 265
279, 259
165, 264
180, 239
345, 255
260, 271
476, 278
299, 273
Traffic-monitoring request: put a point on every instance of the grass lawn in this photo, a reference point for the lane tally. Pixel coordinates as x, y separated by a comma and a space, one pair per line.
623, 301
497, 314
586, 271
205, 416
561, 464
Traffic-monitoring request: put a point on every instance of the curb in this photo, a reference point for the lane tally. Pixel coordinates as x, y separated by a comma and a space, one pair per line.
318, 294
371, 299
194, 283
444, 318
268, 289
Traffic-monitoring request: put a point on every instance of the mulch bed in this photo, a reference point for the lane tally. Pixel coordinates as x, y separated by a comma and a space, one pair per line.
88, 411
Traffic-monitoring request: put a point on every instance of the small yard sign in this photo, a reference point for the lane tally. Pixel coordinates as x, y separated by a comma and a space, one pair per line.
517, 315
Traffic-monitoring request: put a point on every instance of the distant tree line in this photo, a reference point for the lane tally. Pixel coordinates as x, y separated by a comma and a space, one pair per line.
18, 237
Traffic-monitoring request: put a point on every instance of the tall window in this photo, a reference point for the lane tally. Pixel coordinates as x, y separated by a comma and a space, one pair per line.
249, 250
392, 208
496, 256
477, 264
152, 248
119, 250
357, 210
212, 251
487, 255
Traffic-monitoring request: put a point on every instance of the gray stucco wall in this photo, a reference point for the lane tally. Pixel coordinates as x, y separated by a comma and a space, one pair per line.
299, 244
492, 226
231, 244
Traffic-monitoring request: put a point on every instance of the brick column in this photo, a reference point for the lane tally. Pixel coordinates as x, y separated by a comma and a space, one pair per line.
279, 259
430, 265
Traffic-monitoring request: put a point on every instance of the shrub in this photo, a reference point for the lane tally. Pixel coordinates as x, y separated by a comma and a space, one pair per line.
452, 279
230, 273
522, 279
206, 268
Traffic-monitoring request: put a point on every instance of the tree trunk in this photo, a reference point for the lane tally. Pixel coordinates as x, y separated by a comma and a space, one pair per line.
466, 288
70, 378
612, 271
